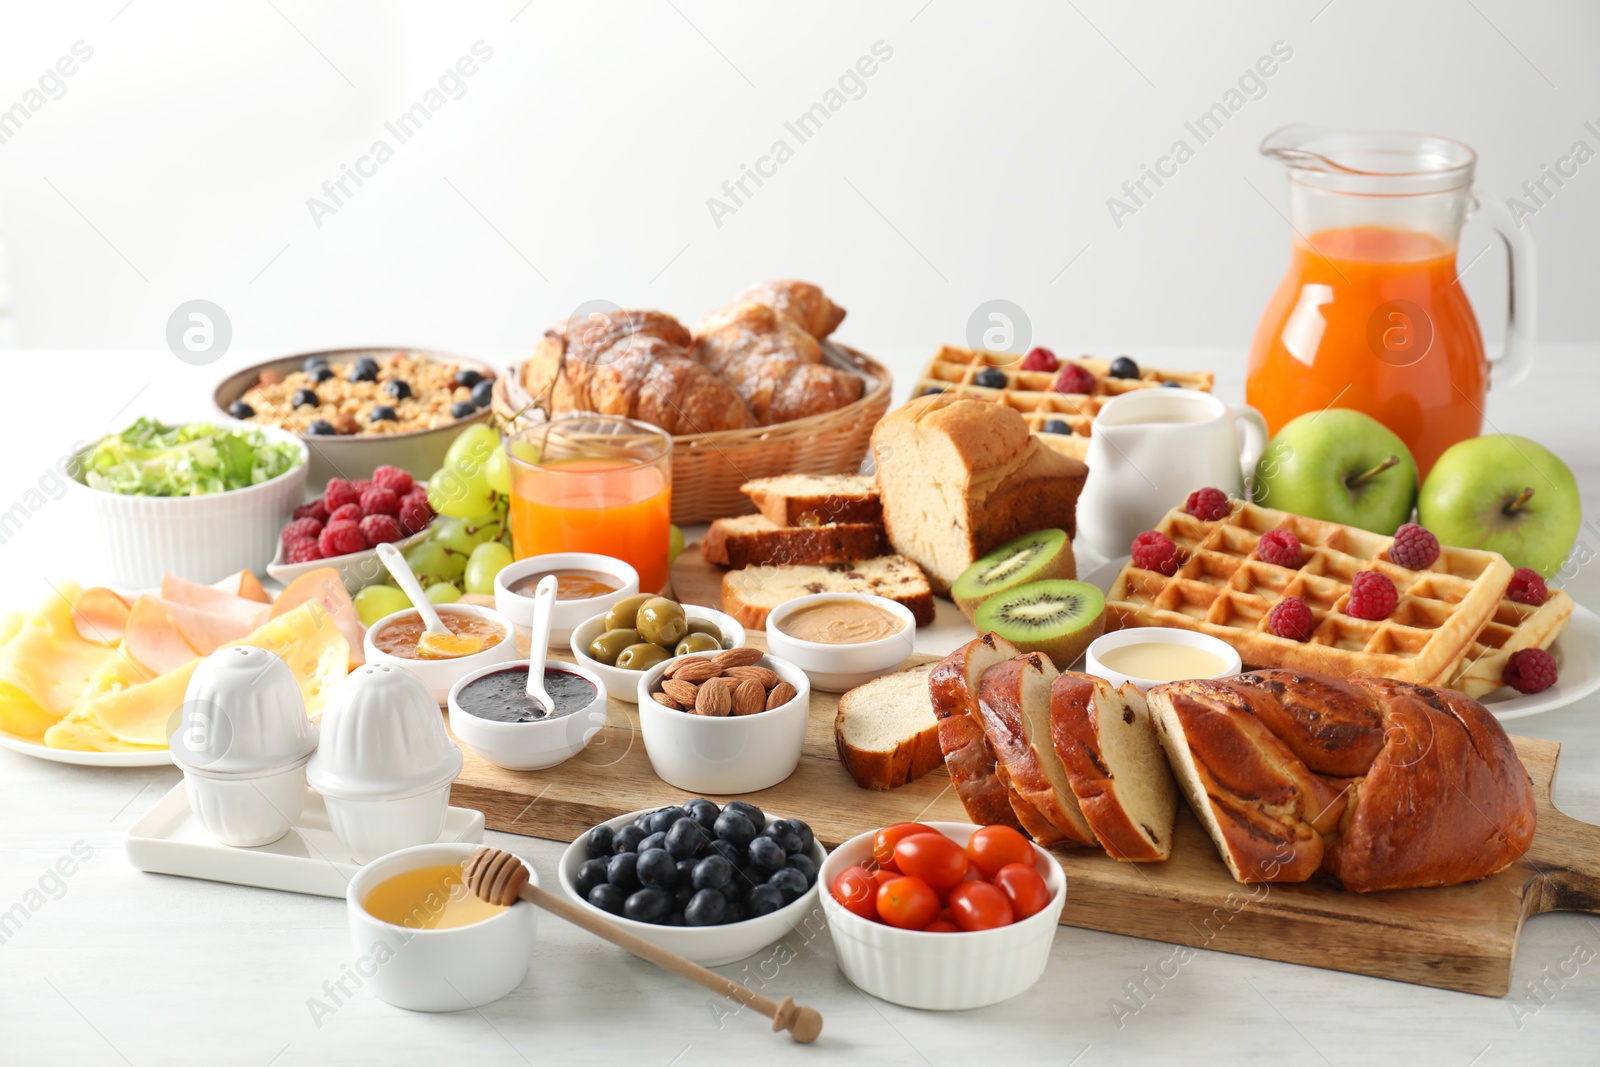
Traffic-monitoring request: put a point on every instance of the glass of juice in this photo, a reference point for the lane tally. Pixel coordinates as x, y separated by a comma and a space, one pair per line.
594, 483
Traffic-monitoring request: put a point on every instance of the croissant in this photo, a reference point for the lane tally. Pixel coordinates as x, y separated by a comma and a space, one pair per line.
1379, 783
803, 302
635, 364
775, 365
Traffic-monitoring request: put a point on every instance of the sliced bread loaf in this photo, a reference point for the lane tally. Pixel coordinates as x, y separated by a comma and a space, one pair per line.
815, 499
886, 732
754, 540
953, 687
749, 594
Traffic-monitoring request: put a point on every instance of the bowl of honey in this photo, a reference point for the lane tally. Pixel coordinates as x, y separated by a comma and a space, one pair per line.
423, 941
586, 584
482, 637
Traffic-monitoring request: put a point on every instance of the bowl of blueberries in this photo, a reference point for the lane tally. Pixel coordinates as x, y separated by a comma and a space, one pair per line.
714, 884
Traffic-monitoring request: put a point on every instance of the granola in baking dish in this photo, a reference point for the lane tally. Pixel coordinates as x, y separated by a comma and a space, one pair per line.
371, 394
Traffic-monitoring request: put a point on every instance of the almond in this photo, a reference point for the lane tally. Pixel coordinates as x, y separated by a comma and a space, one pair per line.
697, 669
761, 675
666, 701
681, 692
713, 698
780, 695
736, 657
749, 697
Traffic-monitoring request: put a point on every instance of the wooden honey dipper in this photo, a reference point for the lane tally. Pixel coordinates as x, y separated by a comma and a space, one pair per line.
501, 878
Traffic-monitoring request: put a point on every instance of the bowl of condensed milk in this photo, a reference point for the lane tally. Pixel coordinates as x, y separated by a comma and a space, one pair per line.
1152, 655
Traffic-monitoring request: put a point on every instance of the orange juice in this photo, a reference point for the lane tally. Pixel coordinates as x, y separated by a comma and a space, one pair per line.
595, 505
1374, 319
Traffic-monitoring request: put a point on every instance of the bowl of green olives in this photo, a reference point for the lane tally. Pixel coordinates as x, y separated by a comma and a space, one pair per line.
642, 630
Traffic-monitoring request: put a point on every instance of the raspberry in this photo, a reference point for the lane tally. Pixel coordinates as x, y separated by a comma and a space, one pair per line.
346, 513
1414, 547
1531, 670
1372, 596
341, 538
363, 484
301, 530
303, 551
1040, 359
339, 493
1154, 551
1208, 504
380, 501
1527, 587
1280, 547
314, 510
378, 529
393, 478
1291, 618
1074, 379
415, 514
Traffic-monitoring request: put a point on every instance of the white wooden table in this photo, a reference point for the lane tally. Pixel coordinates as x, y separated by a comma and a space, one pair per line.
113, 966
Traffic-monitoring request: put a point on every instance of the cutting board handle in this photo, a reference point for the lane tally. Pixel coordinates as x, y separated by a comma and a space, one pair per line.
1568, 871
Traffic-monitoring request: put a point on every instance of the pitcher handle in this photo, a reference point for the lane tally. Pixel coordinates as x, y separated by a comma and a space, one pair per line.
1252, 430
1516, 359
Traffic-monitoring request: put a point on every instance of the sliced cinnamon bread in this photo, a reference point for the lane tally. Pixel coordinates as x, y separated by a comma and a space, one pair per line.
754, 540
953, 687
815, 499
886, 731
749, 594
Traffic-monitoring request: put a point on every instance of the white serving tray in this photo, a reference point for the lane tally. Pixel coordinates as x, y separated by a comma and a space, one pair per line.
168, 839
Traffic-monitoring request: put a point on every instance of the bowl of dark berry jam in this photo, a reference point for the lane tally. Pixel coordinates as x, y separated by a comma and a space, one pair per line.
491, 713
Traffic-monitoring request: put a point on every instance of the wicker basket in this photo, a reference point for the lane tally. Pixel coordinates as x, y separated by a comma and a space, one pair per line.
708, 468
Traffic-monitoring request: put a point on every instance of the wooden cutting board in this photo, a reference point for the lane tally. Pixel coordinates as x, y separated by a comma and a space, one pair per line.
1462, 937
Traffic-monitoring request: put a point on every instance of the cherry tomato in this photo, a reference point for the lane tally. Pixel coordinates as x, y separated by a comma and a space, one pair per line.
941, 926
979, 906
1024, 887
995, 846
934, 858
882, 875
883, 841
908, 903
857, 892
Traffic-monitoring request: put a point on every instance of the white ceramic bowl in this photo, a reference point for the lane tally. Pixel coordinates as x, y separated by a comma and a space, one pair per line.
440, 674
1159, 635
624, 684
529, 746
437, 970
709, 946
725, 755
357, 569
201, 538
942, 972
567, 614
836, 668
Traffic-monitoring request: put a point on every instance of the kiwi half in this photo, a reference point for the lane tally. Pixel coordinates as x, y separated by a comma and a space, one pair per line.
1034, 557
1057, 617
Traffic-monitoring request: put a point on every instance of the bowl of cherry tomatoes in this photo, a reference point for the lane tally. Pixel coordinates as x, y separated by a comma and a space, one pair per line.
942, 915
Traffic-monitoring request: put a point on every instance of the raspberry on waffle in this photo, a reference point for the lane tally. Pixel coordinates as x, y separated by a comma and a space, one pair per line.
1032, 392
1512, 627
1223, 588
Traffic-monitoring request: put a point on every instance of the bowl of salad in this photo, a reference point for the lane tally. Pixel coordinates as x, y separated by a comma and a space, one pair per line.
195, 500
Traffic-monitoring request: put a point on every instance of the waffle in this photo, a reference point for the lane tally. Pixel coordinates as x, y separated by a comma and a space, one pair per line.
1222, 588
1512, 628
1031, 392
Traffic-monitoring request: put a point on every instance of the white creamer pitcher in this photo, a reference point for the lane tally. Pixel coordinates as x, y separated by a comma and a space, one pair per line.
1149, 449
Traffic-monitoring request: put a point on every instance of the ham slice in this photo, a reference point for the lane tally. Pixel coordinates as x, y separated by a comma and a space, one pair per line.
163, 635
244, 585
100, 616
245, 614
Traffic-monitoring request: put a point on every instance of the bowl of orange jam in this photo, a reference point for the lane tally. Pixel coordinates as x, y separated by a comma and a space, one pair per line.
586, 584
480, 637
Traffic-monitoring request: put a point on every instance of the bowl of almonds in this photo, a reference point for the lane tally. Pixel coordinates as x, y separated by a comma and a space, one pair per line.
724, 722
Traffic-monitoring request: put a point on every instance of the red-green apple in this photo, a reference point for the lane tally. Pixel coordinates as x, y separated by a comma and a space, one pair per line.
1506, 494
1340, 465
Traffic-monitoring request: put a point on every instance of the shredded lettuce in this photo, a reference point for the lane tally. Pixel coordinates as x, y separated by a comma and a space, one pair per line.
150, 458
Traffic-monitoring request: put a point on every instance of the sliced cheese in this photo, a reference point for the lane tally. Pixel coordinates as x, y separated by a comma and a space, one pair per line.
46, 666
325, 587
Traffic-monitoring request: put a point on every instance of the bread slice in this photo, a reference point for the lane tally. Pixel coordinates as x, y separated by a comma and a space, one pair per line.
1009, 694
886, 731
815, 499
953, 688
1104, 742
749, 594
958, 477
754, 540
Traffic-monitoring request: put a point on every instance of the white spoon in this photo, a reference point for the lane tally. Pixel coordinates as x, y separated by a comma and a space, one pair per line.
446, 641
544, 601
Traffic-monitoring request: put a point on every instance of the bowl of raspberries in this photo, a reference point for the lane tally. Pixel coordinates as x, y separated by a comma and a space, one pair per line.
344, 526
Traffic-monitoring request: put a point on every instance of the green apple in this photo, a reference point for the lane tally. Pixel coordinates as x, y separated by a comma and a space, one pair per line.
1506, 494
1342, 466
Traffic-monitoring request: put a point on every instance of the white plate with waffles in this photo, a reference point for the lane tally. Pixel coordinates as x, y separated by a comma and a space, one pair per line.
1577, 653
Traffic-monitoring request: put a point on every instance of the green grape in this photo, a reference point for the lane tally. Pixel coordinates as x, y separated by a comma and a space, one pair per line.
443, 593
375, 601
460, 492
487, 560
489, 526
498, 470
523, 449
433, 563
455, 535
674, 542
472, 448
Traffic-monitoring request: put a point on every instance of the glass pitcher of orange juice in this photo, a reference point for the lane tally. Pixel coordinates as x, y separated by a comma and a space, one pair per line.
1371, 314
594, 483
